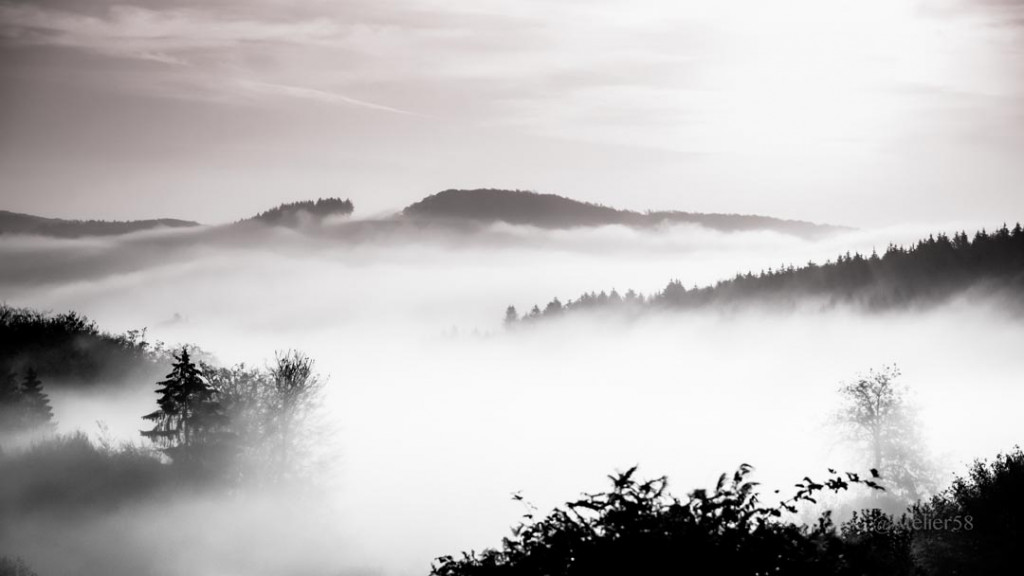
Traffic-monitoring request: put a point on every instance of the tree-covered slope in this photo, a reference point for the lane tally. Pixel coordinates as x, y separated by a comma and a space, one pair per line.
15, 223
70, 349
291, 213
552, 211
929, 272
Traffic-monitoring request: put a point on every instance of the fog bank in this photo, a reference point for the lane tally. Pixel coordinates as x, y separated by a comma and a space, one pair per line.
442, 414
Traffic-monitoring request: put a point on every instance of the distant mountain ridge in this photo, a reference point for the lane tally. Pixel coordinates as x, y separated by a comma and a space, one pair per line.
553, 211
288, 214
457, 209
16, 223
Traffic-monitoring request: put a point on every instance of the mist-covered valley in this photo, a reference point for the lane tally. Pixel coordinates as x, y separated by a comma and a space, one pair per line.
435, 413
511, 287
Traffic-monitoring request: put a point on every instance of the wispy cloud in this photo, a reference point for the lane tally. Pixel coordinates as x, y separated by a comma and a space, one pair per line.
162, 35
324, 96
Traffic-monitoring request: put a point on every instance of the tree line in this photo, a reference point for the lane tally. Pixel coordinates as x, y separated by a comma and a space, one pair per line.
322, 207
925, 273
70, 349
15, 223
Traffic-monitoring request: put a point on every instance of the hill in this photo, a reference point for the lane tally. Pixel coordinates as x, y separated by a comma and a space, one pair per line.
289, 214
552, 211
450, 207
16, 223
929, 272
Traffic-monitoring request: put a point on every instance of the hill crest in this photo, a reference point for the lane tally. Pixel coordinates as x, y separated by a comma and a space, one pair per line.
552, 211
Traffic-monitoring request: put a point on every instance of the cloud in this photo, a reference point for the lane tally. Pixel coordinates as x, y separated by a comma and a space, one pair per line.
265, 88
162, 35
810, 96
1004, 12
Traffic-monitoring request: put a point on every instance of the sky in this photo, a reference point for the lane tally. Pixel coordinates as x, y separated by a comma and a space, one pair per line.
864, 113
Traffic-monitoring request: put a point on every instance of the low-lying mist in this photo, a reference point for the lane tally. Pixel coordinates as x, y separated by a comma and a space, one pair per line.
441, 414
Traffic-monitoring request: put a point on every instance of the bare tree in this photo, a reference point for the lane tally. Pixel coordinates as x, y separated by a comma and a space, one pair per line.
274, 415
295, 397
877, 414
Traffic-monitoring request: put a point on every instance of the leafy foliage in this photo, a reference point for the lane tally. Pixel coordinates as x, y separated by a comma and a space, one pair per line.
638, 527
879, 543
70, 348
976, 526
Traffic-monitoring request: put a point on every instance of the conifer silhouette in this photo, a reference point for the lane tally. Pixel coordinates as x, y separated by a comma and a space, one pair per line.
35, 403
188, 419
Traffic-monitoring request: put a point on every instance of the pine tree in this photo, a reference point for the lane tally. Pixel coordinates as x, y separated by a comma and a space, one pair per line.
35, 403
511, 316
188, 416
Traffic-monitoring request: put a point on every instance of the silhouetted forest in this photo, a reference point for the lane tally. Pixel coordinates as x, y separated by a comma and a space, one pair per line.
282, 215
288, 214
70, 349
219, 428
15, 223
638, 527
42, 472
552, 211
452, 208
926, 273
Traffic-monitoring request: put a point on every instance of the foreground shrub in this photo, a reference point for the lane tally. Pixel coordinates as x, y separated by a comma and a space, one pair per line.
69, 473
639, 528
976, 526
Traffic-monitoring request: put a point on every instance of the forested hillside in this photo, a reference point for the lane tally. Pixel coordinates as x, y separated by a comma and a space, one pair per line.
70, 349
926, 273
15, 223
552, 211
288, 214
